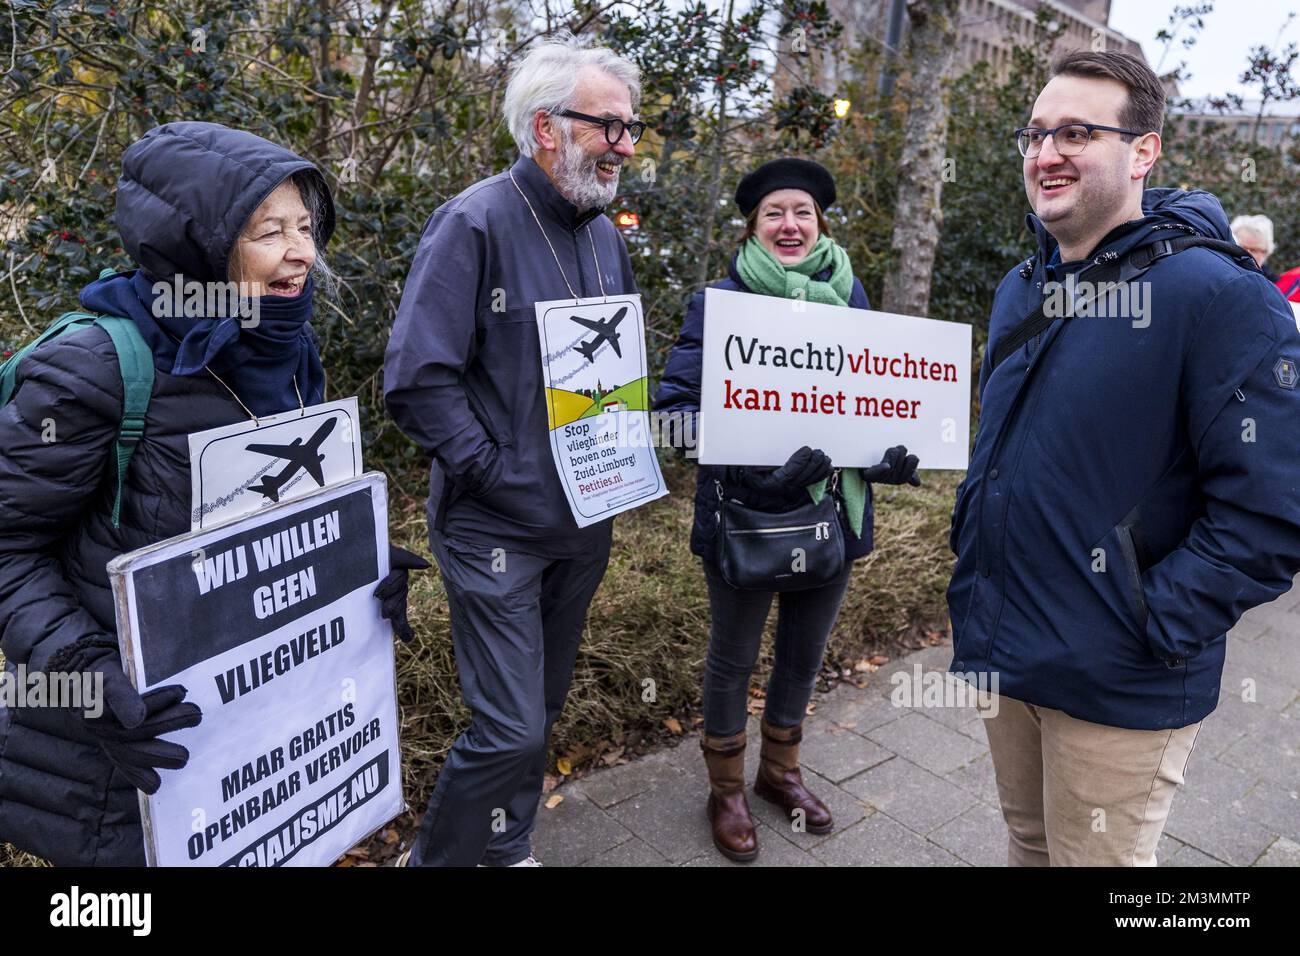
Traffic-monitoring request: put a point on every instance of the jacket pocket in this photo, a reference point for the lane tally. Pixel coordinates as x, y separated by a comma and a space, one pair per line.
958, 513
1132, 576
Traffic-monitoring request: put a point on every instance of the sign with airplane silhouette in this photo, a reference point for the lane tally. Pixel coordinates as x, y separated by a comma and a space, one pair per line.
598, 403
270, 622
241, 468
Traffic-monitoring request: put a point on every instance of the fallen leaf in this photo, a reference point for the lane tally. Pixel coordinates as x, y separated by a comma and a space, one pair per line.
578, 753
862, 666
564, 766
359, 852
554, 801
673, 724
879, 659
389, 836
609, 759
549, 782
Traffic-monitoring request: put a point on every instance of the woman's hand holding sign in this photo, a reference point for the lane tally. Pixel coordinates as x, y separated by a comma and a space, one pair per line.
128, 728
805, 467
896, 468
391, 591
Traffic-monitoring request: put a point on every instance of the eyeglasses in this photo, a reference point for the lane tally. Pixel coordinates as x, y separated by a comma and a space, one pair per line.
613, 126
1069, 139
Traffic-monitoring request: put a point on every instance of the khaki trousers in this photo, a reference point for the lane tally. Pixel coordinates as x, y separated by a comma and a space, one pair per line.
1076, 793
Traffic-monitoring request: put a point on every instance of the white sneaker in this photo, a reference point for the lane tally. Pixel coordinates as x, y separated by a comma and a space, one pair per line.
530, 860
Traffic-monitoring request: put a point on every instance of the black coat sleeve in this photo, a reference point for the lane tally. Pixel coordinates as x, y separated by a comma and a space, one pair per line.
56, 442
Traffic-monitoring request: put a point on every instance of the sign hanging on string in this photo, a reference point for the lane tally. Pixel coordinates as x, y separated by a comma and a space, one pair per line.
598, 404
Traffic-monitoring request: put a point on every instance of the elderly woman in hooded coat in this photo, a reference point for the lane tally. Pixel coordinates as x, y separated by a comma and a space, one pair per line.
195, 202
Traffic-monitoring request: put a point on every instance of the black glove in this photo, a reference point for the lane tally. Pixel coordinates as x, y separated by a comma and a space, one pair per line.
130, 725
896, 468
391, 591
805, 467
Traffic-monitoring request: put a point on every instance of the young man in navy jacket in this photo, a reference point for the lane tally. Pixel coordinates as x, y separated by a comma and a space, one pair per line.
1134, 486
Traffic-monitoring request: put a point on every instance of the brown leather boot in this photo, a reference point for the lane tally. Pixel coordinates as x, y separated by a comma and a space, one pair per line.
779, 780
733, 828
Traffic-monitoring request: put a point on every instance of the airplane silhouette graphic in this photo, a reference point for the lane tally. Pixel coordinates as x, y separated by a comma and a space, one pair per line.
299, 456
604, 329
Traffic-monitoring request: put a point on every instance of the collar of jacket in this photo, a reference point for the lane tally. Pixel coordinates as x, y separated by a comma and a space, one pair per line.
546, 199
1166, 212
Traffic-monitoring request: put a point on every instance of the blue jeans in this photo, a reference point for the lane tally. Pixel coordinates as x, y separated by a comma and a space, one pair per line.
804, 622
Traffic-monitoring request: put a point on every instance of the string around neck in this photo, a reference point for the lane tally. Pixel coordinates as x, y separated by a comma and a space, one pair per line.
596, 259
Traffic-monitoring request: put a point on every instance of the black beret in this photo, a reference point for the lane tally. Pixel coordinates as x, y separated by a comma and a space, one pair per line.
812, 178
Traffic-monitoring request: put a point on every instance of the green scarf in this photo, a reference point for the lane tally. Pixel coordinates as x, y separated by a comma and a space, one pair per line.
763, 273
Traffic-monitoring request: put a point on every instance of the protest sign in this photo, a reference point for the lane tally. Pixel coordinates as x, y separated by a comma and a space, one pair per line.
238, 469
269, 623
597, 401
782, 373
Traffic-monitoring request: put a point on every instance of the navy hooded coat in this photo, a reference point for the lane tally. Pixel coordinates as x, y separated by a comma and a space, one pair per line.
1135, 482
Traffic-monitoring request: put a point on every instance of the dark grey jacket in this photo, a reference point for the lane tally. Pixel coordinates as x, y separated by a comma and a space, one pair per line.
463, 371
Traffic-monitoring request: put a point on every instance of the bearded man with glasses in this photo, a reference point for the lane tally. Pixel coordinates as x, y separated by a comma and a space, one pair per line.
463, 378
1132, 490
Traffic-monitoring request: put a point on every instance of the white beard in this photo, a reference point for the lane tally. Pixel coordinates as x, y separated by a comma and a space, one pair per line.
577, 180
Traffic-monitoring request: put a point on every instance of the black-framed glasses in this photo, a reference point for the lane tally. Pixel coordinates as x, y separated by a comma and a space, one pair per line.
1069, 138
613, 126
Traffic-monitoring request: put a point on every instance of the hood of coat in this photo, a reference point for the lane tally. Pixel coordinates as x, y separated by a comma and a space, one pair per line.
187, 189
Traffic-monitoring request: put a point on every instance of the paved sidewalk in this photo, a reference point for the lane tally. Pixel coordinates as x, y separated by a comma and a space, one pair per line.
915, 787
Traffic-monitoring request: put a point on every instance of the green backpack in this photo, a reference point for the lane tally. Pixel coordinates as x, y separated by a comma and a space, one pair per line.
134, 359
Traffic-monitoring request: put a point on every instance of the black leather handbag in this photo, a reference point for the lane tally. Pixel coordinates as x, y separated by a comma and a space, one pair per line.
779, 551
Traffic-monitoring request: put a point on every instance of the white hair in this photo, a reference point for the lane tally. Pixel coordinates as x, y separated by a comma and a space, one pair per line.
1261, 226
547, 79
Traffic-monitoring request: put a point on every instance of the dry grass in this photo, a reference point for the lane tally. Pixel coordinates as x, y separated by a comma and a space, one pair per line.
649, 623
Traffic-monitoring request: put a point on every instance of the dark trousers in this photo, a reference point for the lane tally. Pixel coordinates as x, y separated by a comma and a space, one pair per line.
516, 622
736, 618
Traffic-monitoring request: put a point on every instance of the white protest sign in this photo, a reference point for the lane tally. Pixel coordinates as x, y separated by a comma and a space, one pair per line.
782, 373
269, 623
240, 468
598, 403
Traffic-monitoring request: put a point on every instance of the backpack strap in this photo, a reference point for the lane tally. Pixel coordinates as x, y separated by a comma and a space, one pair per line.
60, 326
135, 360
1124, 270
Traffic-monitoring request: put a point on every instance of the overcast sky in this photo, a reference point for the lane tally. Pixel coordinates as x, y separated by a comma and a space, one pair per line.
1219, 56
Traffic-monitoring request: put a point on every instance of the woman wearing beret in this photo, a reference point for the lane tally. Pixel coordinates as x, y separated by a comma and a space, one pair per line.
196, 202
786, 251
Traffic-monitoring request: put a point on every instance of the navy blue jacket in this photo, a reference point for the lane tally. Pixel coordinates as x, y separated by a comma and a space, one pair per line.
679, 392
1133, 490
463, 369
